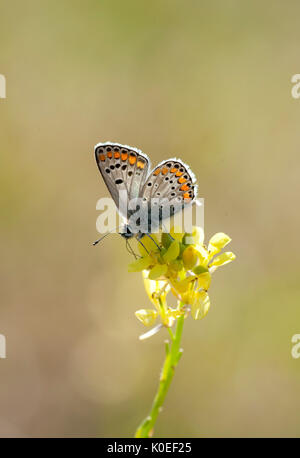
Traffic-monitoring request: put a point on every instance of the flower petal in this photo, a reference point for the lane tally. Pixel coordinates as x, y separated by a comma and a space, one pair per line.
203, 255
140, 264
154, 288
223, 259
158, 271
217, 242
204, 280
176, 233
201, 306
146, 316
173, 251
196, 237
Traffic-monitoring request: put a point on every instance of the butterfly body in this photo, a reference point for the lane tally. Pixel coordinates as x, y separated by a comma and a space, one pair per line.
144, 198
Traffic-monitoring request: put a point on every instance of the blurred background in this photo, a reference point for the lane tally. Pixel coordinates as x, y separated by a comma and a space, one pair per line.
209, 82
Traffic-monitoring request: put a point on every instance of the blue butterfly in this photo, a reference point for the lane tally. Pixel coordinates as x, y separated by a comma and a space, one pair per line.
144, 198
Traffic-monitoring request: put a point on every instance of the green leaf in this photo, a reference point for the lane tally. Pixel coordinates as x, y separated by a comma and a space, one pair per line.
166, 239
157, 271
173, 251
140, 264
200, 270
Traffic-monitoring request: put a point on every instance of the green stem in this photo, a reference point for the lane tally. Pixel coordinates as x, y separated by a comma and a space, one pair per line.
172, 357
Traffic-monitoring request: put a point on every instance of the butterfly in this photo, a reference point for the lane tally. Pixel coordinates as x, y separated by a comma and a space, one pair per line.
160, 192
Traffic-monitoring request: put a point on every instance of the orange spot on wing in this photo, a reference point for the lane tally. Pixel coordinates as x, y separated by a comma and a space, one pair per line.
124, 156
165, 170
132, 159
178, 174
186, 195
157, 172
109, 155
184, 187
181, 180
117, 155
140, 164
173, 170
102, 157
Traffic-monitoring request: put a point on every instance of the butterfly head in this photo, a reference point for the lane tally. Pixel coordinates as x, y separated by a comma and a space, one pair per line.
126, 232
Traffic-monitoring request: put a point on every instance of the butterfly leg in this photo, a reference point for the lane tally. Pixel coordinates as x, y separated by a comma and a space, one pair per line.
138, 239
130, 249
148, 235
164, 228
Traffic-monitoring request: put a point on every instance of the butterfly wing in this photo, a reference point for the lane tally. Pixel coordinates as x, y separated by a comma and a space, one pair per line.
123, 168
172, 184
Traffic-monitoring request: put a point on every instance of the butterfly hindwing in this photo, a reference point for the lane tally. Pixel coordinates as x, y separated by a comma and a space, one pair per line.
172, 184
123, 168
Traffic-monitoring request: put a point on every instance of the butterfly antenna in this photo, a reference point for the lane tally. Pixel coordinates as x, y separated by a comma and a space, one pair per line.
130, 249
105, 235
101, 238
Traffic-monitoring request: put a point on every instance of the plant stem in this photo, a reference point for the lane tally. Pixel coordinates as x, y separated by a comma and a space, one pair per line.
172, 357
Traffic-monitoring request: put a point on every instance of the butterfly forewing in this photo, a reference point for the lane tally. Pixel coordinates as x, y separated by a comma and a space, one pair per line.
123, 169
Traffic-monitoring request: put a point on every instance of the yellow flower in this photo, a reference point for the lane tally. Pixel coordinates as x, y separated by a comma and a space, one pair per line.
182, 264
